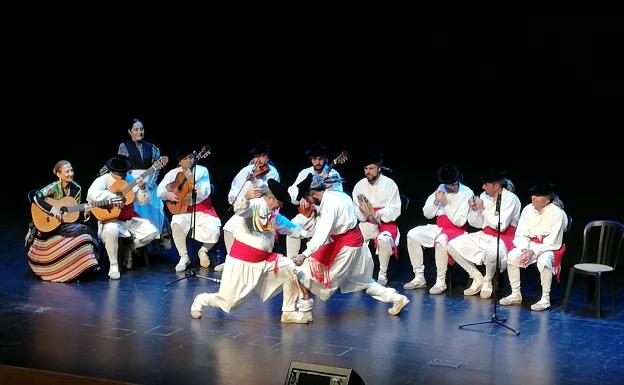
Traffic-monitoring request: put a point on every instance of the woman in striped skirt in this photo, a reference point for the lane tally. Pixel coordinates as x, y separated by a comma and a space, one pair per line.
66, 252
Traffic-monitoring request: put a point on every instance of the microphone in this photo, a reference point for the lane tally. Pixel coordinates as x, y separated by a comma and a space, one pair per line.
498, 204
386, 169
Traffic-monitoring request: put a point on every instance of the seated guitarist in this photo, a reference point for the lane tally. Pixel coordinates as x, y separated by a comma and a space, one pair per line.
306, 218
207, 223
66, 252
128, 224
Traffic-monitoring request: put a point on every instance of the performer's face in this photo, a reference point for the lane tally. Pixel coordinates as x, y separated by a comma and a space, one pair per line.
314, 198
492, 189
371, 172
260, 160
137, 132
318, 162
66, 173
539, 202
453, 187
119, 175
187, 162
273, 202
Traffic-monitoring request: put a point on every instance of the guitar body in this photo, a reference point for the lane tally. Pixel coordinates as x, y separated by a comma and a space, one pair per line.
104, 214
46, 222
182, 189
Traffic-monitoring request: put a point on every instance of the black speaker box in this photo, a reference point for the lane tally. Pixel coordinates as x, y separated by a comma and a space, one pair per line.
301, 373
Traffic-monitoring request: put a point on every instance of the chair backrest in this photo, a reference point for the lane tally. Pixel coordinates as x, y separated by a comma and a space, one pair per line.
602, 242
404, 203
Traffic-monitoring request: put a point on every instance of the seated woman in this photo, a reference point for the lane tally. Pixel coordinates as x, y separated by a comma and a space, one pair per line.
66, 252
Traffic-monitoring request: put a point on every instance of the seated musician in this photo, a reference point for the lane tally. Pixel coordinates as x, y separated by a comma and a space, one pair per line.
207, 225
46, 257
317, 154
127, 224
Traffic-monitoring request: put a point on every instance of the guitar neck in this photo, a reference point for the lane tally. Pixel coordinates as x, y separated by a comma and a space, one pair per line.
72, 209
145, 174
81, 207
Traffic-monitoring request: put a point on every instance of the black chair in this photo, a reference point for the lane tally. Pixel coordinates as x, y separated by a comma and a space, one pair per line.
602, 245
405, 201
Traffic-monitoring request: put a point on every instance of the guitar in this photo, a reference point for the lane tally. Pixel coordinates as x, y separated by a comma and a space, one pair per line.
124, 189
182, 188
69, 208
340, 159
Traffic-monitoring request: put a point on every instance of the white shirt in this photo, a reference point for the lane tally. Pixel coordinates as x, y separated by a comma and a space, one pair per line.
457, 205
382, 193
98, 190
294, 190
509, 212
337, 217
548, 225
202, 182
241, 181
262, 240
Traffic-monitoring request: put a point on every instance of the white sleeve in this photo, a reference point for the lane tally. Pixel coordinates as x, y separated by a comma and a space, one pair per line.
293, 190
202, 183
324, 224
357, 191
522, 236
98, 190
392, 209
458, 212
237, 184
429, 209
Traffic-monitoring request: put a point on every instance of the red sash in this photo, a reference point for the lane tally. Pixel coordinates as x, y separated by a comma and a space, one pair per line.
506, 236
393, 229
248, 253
322, 259
127, 212
558, 256
450, 230
204, 206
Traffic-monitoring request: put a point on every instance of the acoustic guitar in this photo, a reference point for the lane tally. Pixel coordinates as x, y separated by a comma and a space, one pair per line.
124, 189
69, 208
182, 188
340, 159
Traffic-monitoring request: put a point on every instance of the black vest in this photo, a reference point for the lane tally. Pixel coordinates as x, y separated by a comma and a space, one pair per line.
135, 156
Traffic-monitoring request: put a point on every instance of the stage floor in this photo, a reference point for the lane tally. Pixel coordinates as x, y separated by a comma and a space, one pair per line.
139, 330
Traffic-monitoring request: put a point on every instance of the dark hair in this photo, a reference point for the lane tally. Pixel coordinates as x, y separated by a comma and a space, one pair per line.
134, 121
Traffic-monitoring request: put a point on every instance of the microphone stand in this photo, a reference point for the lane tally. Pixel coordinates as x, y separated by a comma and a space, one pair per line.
495, 319
191, 234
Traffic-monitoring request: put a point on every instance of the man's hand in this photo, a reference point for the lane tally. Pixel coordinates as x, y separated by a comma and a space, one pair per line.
298, 259
56, 213
170, 196
526, 257
476, 204
253, 193
440, 198
120, 201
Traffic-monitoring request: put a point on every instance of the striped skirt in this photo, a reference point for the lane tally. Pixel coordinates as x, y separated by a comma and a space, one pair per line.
63, 256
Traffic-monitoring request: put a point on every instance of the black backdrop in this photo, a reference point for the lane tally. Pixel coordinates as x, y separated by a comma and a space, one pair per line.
541, 99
